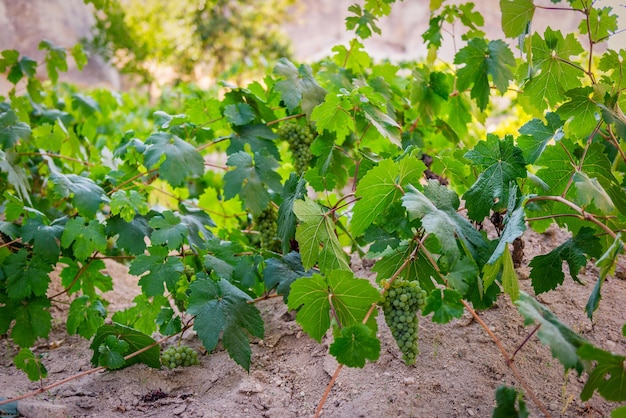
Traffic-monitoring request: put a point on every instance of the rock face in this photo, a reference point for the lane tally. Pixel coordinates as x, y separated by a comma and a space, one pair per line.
25, 23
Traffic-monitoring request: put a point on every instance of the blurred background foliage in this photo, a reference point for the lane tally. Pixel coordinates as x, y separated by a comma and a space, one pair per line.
193, 39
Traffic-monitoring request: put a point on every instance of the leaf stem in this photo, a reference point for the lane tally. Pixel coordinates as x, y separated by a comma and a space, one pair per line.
59, 156
130, 180
79, 273
525, 341
508, 360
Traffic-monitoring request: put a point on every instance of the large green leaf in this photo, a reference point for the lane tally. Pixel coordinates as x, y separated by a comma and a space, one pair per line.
85, 277
251, 180
506, 399
86, 195
351, 299
260, 138
381, 186
516, 16
546, 270
579, 111
445, 304
161, 267
130, 235
563, 342
502, 163
25, 275
31, 364
12, 129
551, 57
437, 210
536, 136
481, 60
356, 344
299, 86
222, 309
176, 159
334, 115
85, 316
135, 341
608, 376
32, 320
281, 273
86, 236
317, 238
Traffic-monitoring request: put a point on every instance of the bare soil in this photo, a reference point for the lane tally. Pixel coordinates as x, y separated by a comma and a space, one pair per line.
456, 375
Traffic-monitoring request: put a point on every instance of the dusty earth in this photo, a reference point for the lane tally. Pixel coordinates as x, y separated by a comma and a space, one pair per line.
456, 374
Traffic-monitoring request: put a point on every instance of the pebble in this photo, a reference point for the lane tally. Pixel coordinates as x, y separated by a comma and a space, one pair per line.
249, 386
409, 381
179, 409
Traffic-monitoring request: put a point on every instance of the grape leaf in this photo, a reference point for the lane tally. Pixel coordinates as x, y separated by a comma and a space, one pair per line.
56, 59
12, 129
608, 376
80, 58
446, 305
143, 314
259, 137
612, 62
251, 180
85, 277
86, 195
294, 189
607, 263
536, 136
181, 159
87, 237
280, 274
600, 22
482, 60
619, 412
551, 55
546, 270
169, 323
363, 22
437, 209
85, 316
221, 308
299, 86
506, 398
111, 352
351, 299
504, 264
26, 275
127, 204
333, 115
331, 165
45, 238
32, 320
429, 91
580, 111
197, 222
590, 191
168, 230
10, 164
356, 344
162, 269
516, 16
563, 342
24, 67
130, 234
239, 114
351, 58
317, 238
502, 162
86, 104
381, 186
135, 341
31, 365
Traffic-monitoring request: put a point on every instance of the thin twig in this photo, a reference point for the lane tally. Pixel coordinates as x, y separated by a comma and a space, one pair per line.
509, 361
525, 341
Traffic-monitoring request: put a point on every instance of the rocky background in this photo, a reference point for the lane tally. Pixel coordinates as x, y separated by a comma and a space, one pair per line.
316, 26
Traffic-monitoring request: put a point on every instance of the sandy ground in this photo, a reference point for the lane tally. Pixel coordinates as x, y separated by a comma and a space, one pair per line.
456, 374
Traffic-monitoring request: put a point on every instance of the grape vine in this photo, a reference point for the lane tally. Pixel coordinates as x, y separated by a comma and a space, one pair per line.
216, 201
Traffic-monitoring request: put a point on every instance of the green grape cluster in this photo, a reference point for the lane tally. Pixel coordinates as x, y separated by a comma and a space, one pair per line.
299, 138
181, 356
401, 303
268, 228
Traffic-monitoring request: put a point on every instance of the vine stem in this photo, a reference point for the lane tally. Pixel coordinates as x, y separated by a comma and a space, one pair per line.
274, 122
508, 360
586, 216
90, 371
